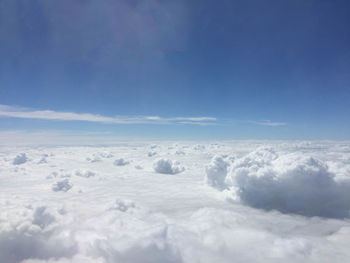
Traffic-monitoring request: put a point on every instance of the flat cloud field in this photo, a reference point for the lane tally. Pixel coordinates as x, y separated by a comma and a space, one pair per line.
237, 201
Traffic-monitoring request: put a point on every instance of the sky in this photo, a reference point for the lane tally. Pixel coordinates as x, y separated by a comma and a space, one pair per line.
252, 69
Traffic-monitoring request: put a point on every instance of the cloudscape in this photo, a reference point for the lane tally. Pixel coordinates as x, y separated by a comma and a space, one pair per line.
135, 131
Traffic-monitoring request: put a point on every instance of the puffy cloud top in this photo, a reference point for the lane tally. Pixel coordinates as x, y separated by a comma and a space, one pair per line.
289, 183
166, 166
20, 159
216, 172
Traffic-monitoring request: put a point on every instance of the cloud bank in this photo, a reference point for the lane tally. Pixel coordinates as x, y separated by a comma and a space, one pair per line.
132, 215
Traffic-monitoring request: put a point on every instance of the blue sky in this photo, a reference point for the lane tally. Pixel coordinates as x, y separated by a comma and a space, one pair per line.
252, 69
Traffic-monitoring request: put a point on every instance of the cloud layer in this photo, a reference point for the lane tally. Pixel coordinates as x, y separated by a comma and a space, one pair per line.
69, 209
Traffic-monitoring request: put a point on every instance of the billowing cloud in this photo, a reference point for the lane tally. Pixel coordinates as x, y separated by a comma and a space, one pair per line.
290, 183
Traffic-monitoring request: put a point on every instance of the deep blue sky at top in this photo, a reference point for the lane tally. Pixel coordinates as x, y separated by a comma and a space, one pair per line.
239, 61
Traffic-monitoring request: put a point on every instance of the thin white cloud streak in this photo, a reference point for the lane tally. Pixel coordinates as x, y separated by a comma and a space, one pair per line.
23, 113
194, 119
198, 123
268, 123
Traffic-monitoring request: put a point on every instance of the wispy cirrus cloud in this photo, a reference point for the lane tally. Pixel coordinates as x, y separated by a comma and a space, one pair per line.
268, 123
24, 113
